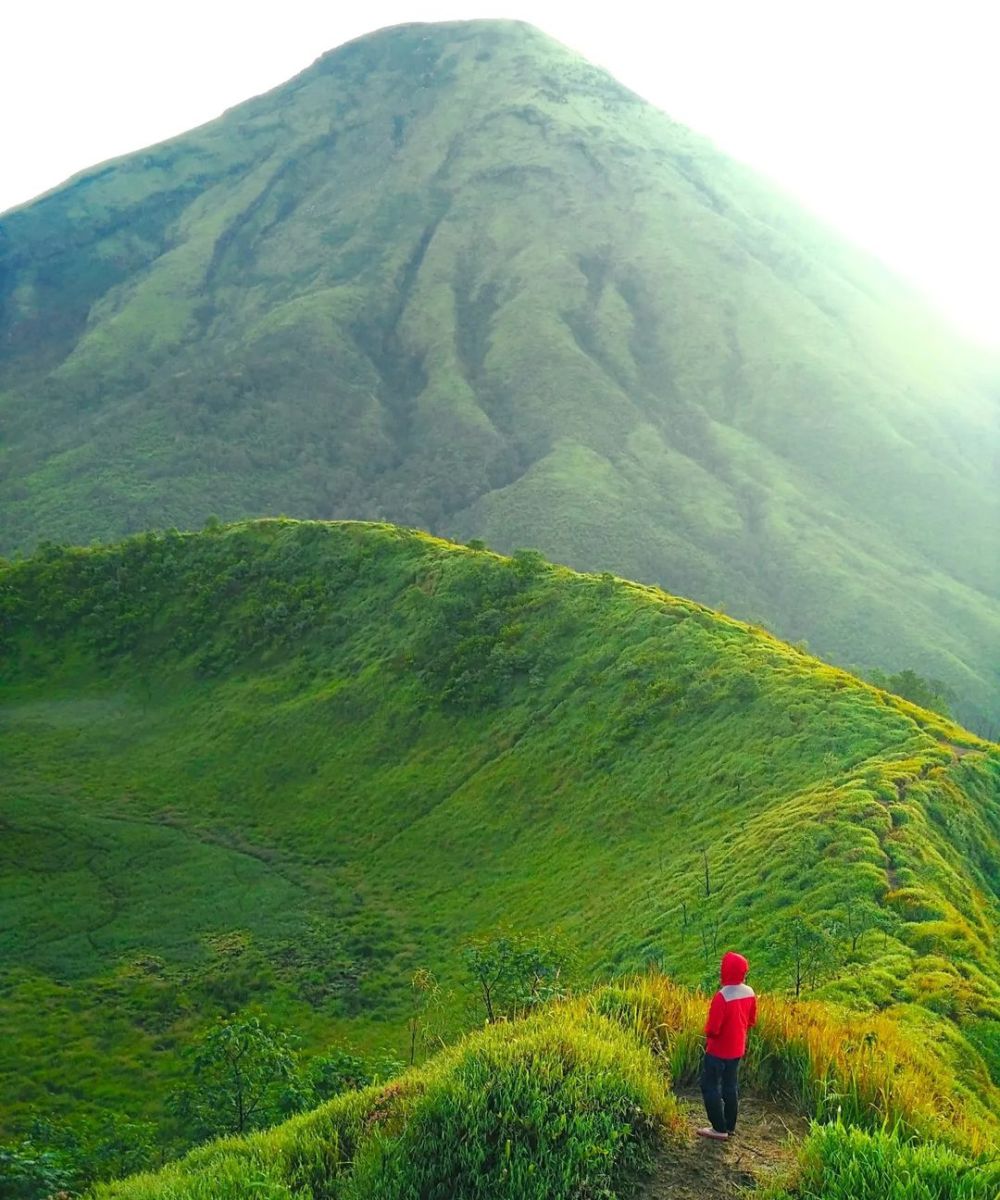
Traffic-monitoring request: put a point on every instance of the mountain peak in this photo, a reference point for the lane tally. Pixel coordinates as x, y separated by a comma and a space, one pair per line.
456, 276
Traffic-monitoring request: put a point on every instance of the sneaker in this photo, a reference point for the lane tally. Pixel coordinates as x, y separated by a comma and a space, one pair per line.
714, 1134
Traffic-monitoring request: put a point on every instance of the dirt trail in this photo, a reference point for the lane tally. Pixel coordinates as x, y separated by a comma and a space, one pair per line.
960, 751
765, 1143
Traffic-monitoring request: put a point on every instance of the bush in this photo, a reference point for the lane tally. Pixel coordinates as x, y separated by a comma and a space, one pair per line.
330, 1074
28, 1172
59, 1157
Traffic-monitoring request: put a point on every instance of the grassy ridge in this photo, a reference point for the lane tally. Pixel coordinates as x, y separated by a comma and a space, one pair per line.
895, 1071
571, 1102
340, 749
566, 1104
453, 276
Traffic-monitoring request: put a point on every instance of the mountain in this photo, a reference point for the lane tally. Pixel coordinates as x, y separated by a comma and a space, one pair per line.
285, 765
452, 276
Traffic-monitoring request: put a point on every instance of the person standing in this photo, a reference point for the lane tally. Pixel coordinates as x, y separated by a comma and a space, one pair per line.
731, 1014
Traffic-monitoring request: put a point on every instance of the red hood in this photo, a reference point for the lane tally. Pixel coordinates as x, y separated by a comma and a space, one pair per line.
734, 968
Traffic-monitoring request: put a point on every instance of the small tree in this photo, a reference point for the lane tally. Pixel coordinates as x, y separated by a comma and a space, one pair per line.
685, 921
513, 971
709, 927
329, 1074
918, 689
240, 1071
803, 948
859, 914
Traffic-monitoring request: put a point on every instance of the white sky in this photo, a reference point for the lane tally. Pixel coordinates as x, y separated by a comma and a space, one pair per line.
880, 115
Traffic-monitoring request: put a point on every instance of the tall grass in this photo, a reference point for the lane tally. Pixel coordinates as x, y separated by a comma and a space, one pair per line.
868, 1071
563, 1104
841, 1163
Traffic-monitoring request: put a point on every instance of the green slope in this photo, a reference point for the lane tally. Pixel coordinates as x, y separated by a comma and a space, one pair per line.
455, 277
288, 763
575, 1101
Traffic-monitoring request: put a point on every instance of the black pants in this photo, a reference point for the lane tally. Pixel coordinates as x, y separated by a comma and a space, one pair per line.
720, 1091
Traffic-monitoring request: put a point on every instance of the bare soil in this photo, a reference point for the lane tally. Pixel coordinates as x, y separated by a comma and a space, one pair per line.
765, 1145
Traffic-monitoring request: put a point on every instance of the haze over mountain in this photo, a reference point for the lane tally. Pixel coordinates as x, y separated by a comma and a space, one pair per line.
455, 277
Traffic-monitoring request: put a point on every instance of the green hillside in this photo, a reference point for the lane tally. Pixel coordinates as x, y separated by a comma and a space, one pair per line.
575, 1101
285, 765
453, 276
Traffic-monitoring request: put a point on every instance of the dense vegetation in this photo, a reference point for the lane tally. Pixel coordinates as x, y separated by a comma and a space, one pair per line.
455, 277
286, 766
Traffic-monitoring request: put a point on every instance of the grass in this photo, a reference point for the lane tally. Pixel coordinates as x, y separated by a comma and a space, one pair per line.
452, 276
561, 1105
839, 1163
871, 1072
575, 1100
284, 765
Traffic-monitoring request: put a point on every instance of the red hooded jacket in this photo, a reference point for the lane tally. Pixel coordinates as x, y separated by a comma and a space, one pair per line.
732, 1012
